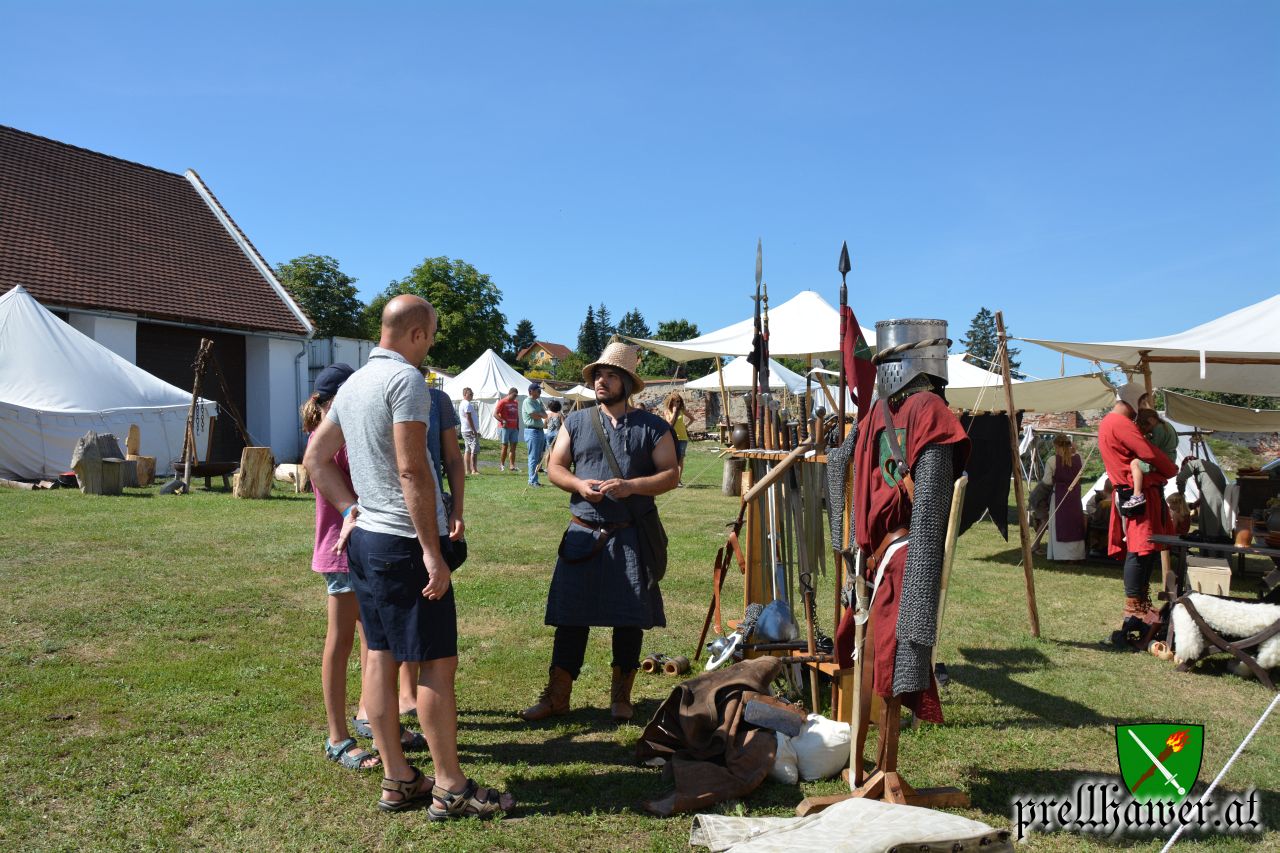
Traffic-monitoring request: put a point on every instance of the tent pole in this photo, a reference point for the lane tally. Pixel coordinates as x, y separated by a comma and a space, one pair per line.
724, 398
1024, 530
1167, 575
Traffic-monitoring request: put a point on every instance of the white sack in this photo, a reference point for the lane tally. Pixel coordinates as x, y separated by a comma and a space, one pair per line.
822, 748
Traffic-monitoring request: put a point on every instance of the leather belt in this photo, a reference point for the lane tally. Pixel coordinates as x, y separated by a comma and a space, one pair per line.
601, 526
889, 538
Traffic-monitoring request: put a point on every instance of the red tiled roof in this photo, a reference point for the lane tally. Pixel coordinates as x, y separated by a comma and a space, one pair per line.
85, 230
556, 351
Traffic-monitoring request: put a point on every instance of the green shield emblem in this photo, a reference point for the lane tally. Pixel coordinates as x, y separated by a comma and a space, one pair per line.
1160, 761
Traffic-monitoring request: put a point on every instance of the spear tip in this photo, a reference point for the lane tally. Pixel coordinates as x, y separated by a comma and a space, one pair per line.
845, 266
759, 260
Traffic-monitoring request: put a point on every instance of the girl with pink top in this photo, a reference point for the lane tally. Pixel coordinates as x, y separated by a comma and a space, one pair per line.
330, 559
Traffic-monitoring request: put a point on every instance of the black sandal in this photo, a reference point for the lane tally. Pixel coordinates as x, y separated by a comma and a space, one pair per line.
468, 802
412, 793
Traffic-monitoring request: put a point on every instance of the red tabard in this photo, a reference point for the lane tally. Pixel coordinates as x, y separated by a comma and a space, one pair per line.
879, 507
1119, 443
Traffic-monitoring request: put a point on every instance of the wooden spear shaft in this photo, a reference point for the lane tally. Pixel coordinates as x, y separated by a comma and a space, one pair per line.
1024, 529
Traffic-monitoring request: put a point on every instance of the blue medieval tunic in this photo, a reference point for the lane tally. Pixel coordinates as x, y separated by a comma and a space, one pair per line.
612, 588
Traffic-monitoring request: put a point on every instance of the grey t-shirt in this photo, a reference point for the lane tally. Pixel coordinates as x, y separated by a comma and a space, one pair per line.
386, 391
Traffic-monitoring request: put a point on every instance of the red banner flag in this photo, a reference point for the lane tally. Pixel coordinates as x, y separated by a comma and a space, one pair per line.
859, 372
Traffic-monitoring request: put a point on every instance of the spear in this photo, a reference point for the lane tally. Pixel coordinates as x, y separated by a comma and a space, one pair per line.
767, 395
845, 266
753, 410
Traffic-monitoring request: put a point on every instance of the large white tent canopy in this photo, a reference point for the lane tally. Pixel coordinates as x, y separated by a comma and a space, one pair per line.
737, 377
806, 324
56, 384
490, 378
1238, 352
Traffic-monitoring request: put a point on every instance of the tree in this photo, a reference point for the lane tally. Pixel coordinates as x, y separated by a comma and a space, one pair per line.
604, 325
632, 325
589, 342
654, 364
325, 293
982, 342
524, 336
569, 368
467, 303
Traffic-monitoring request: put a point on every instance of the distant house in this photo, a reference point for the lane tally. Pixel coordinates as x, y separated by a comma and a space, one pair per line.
543, 354
147, 262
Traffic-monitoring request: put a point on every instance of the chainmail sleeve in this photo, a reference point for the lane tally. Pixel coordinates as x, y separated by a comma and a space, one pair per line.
838, 459
922, 576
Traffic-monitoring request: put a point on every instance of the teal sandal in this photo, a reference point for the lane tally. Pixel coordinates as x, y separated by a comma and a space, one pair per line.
351, 756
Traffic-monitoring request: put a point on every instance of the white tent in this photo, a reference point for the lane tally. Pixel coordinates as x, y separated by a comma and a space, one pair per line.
489, 378
1207, 415
973, 389
56, 384
1238, 352
805, 324
580, 394
737, 377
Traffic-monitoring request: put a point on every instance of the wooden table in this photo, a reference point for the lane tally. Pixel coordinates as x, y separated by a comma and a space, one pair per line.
1178, 543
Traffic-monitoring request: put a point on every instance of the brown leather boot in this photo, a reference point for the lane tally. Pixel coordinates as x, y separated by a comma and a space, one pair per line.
620, 694
554, 700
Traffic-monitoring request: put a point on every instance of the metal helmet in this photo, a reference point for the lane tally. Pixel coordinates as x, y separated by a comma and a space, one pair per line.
895, 369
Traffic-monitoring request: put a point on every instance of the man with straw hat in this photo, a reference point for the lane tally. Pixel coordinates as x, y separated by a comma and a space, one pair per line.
613, 459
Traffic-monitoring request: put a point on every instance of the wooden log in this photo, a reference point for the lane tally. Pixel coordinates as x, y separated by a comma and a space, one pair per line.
133, 440
146, 467
112, 477
257, 473
86, 461
128, 473
731, 479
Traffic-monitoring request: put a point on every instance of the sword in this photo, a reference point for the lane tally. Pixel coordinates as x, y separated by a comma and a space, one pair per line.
1169, 777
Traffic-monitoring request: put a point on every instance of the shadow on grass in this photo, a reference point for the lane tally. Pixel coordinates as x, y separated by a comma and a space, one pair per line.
992, 791
990, 671
1090, 568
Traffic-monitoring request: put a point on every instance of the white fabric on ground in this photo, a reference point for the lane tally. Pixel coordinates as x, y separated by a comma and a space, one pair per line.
850, 826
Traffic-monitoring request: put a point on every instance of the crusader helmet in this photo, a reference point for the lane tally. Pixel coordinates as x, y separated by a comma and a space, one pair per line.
896, 368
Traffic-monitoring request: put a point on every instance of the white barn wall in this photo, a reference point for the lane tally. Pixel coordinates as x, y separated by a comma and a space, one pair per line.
118, 334
272, 391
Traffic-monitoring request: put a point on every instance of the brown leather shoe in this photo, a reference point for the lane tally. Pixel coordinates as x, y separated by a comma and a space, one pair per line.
554, 700
620, 694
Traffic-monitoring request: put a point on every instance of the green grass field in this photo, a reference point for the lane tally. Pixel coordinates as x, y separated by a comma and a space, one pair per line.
160, 683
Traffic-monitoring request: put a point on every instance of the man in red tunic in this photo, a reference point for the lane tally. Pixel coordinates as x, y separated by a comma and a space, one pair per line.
1120, 442
902, 500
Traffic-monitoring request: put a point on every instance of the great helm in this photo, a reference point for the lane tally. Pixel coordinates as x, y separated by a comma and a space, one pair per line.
907, 348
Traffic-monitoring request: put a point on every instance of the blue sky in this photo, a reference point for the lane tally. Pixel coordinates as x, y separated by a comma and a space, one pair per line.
1097, 170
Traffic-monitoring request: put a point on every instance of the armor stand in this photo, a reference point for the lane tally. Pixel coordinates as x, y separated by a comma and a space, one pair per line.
884, 782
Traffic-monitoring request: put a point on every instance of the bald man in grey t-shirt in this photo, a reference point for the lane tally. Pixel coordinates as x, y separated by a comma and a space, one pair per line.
397, 556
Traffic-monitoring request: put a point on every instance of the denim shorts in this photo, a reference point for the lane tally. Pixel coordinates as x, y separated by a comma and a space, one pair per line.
510, 436
338, 582
681, 447
388, 574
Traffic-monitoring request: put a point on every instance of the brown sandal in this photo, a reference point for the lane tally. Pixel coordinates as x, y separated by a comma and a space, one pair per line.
412, 793
468, 802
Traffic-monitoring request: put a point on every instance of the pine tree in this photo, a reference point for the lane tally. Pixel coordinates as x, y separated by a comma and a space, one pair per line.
589, 336
633, 325
524, 336
982, 342
604, 325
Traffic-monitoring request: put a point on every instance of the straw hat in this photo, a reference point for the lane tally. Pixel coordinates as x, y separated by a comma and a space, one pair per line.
624, 357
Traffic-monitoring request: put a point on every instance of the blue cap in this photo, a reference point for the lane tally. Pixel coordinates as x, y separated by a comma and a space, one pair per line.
331, 379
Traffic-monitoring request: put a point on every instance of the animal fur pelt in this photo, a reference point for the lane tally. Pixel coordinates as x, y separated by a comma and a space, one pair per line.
1231, 619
